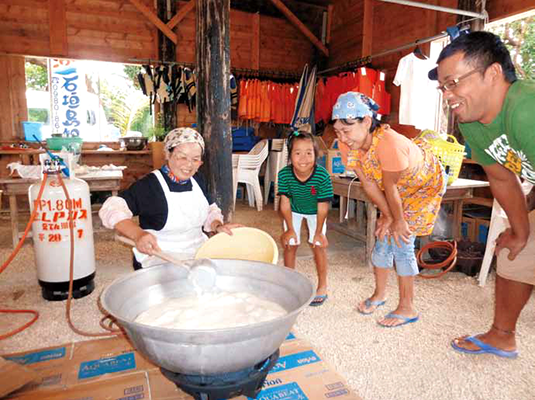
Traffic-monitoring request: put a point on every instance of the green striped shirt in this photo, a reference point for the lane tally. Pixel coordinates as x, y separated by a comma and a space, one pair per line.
304, 196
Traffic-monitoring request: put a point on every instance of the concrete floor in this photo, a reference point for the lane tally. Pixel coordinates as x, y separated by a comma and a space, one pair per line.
413, 362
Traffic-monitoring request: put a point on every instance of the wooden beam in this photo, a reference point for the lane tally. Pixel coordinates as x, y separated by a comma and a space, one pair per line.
294, 20
152, 17
255, 46
330, 10
367, 29
179, 16
57, 25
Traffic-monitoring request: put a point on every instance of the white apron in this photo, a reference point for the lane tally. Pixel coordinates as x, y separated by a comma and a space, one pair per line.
182, 234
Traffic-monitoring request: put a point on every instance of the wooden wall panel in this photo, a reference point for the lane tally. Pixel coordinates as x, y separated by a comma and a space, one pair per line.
110, 30
498, 9
24, 28
12, 97
346, 31
282, 46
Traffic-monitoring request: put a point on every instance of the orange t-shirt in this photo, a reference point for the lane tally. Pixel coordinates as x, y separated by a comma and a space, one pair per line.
396, 152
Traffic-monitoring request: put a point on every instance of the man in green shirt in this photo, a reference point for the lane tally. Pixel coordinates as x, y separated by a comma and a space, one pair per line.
496, 114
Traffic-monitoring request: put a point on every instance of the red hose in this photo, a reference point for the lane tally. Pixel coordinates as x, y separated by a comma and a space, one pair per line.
448, 263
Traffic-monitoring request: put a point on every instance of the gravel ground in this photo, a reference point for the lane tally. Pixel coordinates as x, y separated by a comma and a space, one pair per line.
412, 362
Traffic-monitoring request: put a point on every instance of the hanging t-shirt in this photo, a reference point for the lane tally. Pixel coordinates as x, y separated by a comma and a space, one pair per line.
419, 96
510, 139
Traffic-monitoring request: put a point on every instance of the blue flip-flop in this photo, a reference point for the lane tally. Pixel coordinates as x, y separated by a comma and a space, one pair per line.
319, 300
406, 320
484, 348
369, 303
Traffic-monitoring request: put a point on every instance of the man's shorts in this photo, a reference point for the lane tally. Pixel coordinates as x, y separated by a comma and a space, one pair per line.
386, 253
312, 221
522, 268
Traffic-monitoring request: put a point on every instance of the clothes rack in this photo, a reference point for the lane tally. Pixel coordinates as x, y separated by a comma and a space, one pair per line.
438, 8
366, 60
245, 72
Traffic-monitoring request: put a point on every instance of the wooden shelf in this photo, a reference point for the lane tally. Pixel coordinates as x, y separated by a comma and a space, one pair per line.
115, 152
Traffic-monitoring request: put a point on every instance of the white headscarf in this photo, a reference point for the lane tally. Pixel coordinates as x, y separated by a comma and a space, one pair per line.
180, 136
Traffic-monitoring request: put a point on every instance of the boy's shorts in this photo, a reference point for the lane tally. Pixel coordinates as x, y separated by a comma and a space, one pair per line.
522, 268
312, 221
386, 253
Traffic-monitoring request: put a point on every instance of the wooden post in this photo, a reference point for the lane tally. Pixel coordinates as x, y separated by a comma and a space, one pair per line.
213, 98
12, 97
167, 52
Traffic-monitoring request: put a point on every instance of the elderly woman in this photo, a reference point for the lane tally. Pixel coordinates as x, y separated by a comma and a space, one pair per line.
172, 204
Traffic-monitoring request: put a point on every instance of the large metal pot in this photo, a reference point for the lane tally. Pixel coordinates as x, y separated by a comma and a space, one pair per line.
215, 351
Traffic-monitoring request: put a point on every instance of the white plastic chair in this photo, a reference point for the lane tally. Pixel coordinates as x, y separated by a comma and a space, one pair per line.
246, 168
498, 223
277, 160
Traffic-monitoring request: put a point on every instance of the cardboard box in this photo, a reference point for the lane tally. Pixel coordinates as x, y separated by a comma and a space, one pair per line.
14, 376
468, 229
482, 230
112, 369
334, 163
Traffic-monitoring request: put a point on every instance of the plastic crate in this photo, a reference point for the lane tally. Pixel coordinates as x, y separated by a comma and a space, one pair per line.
31, 129
244, 143
242, 132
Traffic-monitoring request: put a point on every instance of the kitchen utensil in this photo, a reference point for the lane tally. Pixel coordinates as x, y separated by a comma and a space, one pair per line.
134, 143
202, 275
209, 351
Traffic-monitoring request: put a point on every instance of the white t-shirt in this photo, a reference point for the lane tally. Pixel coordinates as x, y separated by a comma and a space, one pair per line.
419, 96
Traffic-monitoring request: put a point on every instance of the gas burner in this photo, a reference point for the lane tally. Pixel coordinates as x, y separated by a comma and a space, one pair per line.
247, 382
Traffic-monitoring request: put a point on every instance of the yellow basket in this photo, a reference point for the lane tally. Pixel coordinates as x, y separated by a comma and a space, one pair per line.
450, 154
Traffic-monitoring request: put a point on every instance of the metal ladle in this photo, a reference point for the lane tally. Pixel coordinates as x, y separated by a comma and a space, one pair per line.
202, 276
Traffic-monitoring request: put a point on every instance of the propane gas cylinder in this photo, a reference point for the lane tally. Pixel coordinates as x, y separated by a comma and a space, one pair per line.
52, 237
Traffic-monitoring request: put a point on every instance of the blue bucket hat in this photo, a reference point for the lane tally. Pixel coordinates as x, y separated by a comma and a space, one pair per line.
352, 105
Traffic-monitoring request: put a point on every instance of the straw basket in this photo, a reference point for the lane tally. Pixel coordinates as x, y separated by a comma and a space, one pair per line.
450, 154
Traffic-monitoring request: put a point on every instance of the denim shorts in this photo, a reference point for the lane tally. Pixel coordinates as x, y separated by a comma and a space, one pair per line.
386, 253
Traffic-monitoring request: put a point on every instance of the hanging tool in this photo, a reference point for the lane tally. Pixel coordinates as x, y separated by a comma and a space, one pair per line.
201, 276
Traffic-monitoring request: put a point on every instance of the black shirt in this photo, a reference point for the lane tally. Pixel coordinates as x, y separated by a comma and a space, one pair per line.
146, 198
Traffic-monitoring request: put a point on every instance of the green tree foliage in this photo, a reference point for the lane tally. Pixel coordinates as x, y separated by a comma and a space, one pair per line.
131, 71
36, 76
519, 37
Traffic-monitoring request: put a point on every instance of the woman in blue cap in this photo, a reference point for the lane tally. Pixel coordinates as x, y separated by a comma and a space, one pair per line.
406, 182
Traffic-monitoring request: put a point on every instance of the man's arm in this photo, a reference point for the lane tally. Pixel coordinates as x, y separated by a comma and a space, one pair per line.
506, 189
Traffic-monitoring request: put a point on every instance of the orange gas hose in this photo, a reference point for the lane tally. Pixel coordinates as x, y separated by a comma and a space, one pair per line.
107, 326
111, 332
448, 263
8, 261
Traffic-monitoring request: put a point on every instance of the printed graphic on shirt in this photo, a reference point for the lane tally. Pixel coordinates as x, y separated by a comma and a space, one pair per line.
513, 160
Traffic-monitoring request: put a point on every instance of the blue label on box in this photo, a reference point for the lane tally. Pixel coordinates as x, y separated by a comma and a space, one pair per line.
290, 336
39, 356
295, 360
290, 391
338, 165
90, 369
